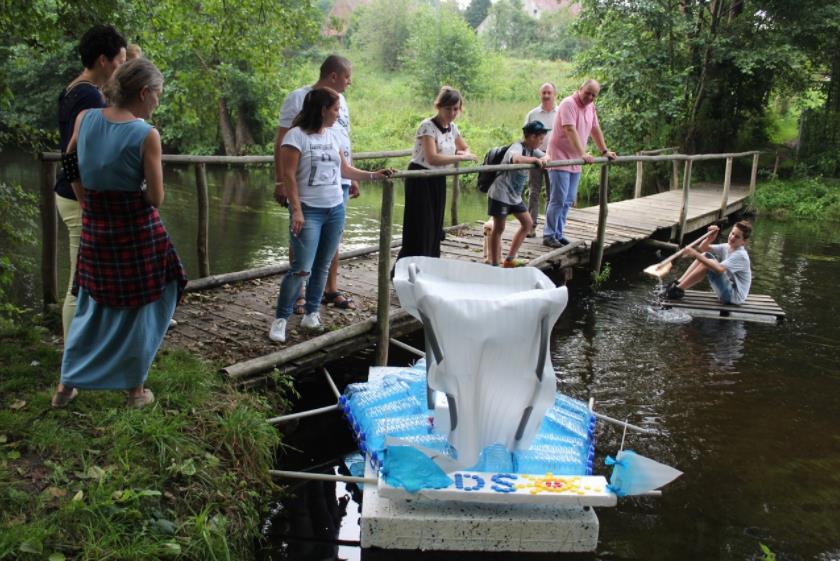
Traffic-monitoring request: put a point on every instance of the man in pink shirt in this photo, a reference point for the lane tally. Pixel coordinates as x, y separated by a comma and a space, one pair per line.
576, 120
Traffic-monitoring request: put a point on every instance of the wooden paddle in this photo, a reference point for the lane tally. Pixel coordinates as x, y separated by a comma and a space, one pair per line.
662, 268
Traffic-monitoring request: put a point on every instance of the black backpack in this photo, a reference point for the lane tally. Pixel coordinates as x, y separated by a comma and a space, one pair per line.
493, 157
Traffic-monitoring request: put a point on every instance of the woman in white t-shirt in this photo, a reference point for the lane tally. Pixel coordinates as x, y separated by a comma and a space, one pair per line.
313, 165
438, 145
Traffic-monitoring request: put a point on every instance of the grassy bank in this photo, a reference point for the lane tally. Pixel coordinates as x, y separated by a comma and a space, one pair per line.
802, 198
184, 478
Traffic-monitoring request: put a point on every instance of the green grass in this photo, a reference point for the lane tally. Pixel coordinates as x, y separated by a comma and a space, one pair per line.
385, 111
184, 478
803, 198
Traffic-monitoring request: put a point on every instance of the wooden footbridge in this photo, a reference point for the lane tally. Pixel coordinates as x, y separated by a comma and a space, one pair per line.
226, 317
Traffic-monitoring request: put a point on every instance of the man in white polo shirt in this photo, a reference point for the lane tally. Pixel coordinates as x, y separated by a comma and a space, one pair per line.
544, 113
335, 73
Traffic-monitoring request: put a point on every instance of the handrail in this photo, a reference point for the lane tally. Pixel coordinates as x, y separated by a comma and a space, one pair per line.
243, 160
49, 221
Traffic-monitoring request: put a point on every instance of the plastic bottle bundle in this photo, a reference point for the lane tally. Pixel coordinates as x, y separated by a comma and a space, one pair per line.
562, 419
372, 440
496, 459
557, 460
433, 441
407, 405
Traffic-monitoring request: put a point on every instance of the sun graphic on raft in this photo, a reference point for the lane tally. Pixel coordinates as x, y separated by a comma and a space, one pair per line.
549, 484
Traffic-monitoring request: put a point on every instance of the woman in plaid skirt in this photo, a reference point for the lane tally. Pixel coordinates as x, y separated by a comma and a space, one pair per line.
128, 275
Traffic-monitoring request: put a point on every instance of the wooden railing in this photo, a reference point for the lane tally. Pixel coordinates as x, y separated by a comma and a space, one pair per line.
49, 218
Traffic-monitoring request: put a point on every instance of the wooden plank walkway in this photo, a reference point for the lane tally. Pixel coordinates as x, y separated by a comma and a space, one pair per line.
758, 307
230, 324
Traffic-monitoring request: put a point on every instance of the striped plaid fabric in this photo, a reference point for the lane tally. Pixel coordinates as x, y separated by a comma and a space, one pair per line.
125, 256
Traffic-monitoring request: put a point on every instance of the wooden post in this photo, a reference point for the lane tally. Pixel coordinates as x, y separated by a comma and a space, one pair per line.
776, 165
203, 219
637, 192
49, 235
754, 173
727, 181
675, 175
684, 209
383, 300
603, 204
456, 195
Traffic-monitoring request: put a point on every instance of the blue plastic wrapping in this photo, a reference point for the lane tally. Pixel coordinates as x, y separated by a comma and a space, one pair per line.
395, 406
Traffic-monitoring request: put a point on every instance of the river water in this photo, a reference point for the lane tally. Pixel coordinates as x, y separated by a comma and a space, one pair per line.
749, 412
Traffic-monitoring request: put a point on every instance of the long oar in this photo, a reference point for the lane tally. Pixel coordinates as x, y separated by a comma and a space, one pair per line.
662, 268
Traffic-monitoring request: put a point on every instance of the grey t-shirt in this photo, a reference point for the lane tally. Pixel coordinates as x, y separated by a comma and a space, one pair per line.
508, 186
737, 265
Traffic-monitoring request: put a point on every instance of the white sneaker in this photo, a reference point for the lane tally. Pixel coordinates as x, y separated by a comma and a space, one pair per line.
278, 330
311, 321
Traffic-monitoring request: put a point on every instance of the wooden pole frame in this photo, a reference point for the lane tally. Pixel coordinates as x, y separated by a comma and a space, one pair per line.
202, 199
383, 300
727, 183
603, 204
684, 208
637, 191
754, 173
456, 196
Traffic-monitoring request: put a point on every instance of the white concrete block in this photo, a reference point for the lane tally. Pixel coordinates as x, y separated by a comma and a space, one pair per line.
466, 526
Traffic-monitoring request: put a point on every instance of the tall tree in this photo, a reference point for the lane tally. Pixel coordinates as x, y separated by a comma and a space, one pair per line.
222, 58
476, 12
695, 72
381, 31
443, 50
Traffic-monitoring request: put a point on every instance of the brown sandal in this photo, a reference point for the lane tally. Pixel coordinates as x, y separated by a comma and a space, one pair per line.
338, 300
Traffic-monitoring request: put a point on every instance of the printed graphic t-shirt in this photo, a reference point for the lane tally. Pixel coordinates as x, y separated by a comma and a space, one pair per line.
294, 103
319, 167
508, 185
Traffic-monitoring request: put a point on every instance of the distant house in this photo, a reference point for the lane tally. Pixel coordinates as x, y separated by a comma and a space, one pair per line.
536, 8
338, 18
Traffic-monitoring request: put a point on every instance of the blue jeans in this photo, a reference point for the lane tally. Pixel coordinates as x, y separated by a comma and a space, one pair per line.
312, 251
562, 193
721, 283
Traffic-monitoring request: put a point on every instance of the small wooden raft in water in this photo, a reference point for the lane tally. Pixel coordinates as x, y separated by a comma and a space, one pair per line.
758, 307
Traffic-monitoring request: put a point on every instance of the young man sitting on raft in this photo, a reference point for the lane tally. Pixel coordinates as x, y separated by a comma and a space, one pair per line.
726, 265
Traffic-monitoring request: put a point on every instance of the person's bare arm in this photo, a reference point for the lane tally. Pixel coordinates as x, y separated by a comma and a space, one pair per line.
76, 184
520, 159
430, 152
572, 135
279, 192
153, 168
709, 263
598, 137
290, 158
356, 174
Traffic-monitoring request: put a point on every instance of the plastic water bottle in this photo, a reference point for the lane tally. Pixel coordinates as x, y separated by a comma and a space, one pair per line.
391, 409
412, 425
550, 459
376, 395
494, 458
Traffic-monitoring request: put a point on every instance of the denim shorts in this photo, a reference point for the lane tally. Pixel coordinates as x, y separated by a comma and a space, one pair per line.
721, 284
498, 208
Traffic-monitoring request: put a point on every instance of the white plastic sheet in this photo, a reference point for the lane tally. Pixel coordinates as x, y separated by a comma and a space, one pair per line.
487, 336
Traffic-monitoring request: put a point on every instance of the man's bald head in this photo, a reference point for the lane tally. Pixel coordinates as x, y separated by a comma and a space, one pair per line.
589, 91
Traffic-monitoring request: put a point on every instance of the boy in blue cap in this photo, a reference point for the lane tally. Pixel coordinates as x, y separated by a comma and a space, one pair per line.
505, 194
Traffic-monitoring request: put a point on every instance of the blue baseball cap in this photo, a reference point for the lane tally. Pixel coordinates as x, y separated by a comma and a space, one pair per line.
535, 127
